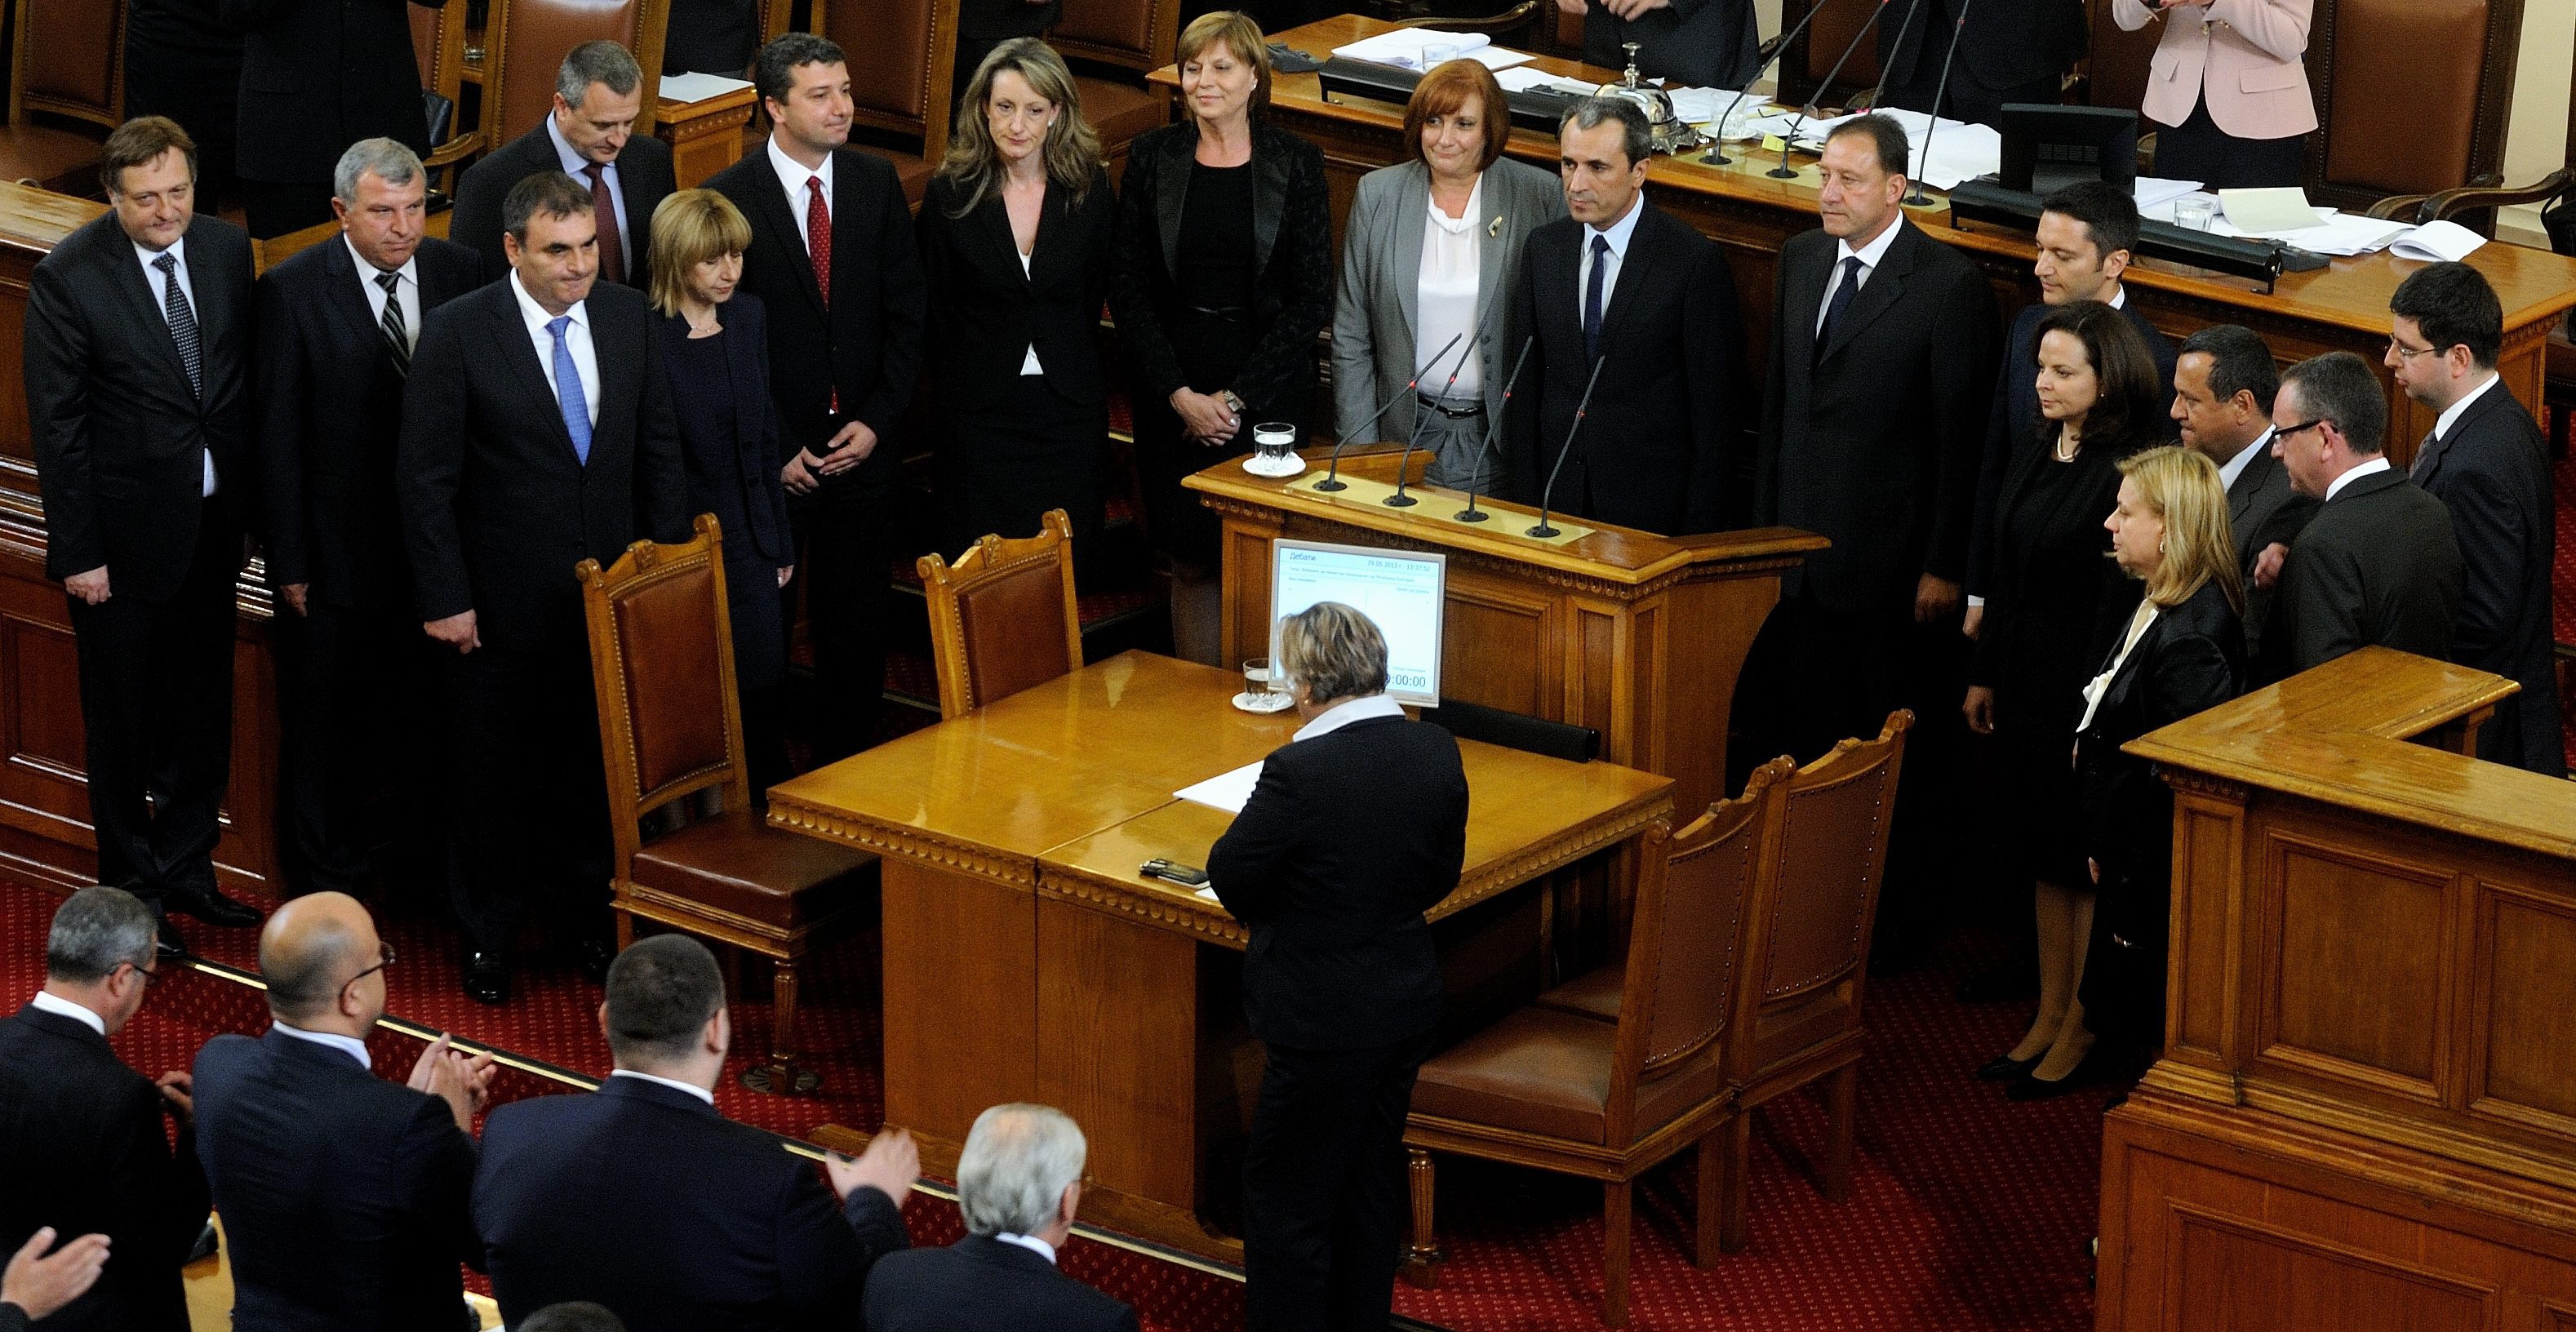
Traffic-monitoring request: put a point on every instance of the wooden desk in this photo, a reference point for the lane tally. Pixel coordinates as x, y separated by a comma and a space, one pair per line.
2365, 1115
1025, 959
2342, 306
705, 137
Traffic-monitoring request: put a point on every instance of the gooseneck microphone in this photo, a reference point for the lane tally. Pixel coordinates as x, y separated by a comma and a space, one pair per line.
1782, 171
1332, 475
1493, 428
1716, 154
1887, 66
1422, 417
1580, 408
1916, 196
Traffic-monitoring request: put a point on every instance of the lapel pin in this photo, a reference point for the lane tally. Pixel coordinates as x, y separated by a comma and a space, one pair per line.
1495, 227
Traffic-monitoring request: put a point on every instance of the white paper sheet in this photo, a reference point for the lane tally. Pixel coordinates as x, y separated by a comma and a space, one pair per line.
1403, 48
1228, 791
2437, 241
2152, 191
1961, 150
698, 87
2269, 211
1526, 79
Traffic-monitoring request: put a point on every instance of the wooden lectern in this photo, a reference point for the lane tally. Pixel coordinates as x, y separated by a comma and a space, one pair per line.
1636, 635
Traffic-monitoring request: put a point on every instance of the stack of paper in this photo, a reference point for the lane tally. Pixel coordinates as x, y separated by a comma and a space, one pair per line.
1960, 151
1228, 791
2269, 212
1403, 48
1539, 80
2437, 241
2152, 191
2341, 235
697, 87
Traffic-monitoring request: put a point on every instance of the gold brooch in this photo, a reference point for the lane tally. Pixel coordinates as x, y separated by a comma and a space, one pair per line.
1495, 227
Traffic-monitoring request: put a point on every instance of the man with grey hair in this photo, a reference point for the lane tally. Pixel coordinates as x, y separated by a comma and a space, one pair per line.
1019, 1182
1652, 451
644, 1198
82, 1148
336, 327
591, 136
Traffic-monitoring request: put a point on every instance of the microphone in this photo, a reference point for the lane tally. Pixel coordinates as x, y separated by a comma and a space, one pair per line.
1782, 171
1716, 155
1332, 476
1422, 417
1888, 65
1472, 514
1916, 196
1567, 451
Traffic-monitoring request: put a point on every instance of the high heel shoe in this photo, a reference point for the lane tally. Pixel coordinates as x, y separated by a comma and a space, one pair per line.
2087, 1071
2005, 1068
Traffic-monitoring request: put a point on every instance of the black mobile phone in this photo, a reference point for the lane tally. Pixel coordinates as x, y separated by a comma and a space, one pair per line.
1188, 876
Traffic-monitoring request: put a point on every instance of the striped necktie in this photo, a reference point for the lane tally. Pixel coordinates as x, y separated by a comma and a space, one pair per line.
397, 334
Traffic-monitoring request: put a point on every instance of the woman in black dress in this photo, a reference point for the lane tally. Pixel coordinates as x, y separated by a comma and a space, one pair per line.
1224, 276
2179, 652
714, 344
1016, 239
2050, 592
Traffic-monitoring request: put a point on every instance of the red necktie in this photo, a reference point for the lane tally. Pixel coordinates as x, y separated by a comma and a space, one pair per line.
612, 254
818, 246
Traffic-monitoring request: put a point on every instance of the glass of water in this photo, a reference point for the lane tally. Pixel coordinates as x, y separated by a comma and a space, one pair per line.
2194, 214
1436, 54
1256, 681
1271, 441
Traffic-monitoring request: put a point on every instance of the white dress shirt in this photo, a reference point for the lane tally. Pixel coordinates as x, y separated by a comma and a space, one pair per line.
347, 1045
578, 167
1618, 234
61, 1007
1029, 1242
585, 358
2335, 487
2451, 415
1444, 297
1869, 256
2235, 467
792, 176
2099, 685
673, 1083
161, 297
407, 290
1340, 715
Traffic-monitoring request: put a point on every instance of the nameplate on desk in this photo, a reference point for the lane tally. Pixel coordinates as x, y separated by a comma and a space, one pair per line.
1439, 507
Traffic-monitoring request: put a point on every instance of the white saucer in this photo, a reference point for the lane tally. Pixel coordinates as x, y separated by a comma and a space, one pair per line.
1266, 704
1288, 466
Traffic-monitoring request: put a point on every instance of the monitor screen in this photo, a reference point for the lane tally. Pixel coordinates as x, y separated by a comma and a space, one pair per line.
1401, 591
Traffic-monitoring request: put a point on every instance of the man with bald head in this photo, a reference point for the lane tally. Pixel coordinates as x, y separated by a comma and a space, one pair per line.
344, 1195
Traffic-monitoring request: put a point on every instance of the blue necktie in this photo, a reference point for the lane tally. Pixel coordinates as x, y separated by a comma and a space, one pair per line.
1841, 302
1592, 298
576, 409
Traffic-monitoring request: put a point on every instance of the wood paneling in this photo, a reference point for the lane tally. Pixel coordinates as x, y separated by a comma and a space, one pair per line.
2355, 945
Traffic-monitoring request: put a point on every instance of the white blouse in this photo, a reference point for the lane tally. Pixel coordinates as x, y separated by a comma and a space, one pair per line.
1029, 359
2101, 684
1444, 298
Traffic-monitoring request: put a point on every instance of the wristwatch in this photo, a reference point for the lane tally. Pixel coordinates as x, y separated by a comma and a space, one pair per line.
1232, 403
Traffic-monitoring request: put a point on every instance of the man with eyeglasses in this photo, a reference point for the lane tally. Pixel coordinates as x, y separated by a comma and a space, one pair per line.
2485, 461
82, 1147
2378, 563
344, 1195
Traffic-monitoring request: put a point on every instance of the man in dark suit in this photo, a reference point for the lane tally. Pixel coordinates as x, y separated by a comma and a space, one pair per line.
317, 76
2224, 382
2378, 564
1621, 285
2008, 51
549, 440
138, 332
590, 136
2487, 464
343, 1194
82, 1148
2086, 233
1019, 1182
337, 324
845, 337
1698, 43
641, 1197
1881, 373
41, 1278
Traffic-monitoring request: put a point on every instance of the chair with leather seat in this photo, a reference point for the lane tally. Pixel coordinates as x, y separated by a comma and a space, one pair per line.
1112, 45
1003, 617
438, 44
902, 59
525, 42
1611, 1100
2455, 61
670, 728
1811, 957
67, 92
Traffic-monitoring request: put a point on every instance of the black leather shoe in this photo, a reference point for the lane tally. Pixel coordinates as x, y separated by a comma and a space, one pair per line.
207, 1244
487, 978
2087, 1071
594, 956
2005, 1068
212, 907
171, 945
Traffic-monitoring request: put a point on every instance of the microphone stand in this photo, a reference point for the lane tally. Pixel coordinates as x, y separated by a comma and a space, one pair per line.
1332, 476
1421, 417
1916, 196
1782, 171
1888, 65
1567, 450
1716, 155
1472, 514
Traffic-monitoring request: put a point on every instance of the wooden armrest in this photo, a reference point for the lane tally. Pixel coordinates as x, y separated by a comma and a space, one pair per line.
2451, 203
2397, 205
455, 150
1505, 21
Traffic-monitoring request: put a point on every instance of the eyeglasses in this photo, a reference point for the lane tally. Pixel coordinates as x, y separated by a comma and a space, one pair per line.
387, 961
2286, 431
149, 974
2406, 353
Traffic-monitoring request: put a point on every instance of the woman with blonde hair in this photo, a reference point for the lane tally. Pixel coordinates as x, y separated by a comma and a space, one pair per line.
2180, 652
715, 354
1015, 240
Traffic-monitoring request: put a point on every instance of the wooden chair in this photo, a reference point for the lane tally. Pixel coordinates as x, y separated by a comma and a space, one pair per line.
1131, 38
994, 616
1810, 953
2455, 61
1610, 1101
438, 43
903, 58
67, 62
525, 41
670, 727
1811, 57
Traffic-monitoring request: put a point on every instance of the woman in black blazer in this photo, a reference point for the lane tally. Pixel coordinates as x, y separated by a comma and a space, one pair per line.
2049, 590
1224, 276
2180, 652
715, 350
1340, 983
1016, 238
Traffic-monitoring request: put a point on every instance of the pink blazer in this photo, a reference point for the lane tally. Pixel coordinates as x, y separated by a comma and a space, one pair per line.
2244, 55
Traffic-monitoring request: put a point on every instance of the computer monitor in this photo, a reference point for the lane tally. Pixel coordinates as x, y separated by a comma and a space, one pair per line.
1403, 592
2049, 146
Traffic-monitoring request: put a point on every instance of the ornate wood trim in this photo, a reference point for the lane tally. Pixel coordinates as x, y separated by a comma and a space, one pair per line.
895, 841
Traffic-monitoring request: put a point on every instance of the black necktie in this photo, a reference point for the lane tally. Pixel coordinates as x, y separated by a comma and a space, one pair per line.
2424, 455
1592, 298
183, 322
397, 334
1842, 301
